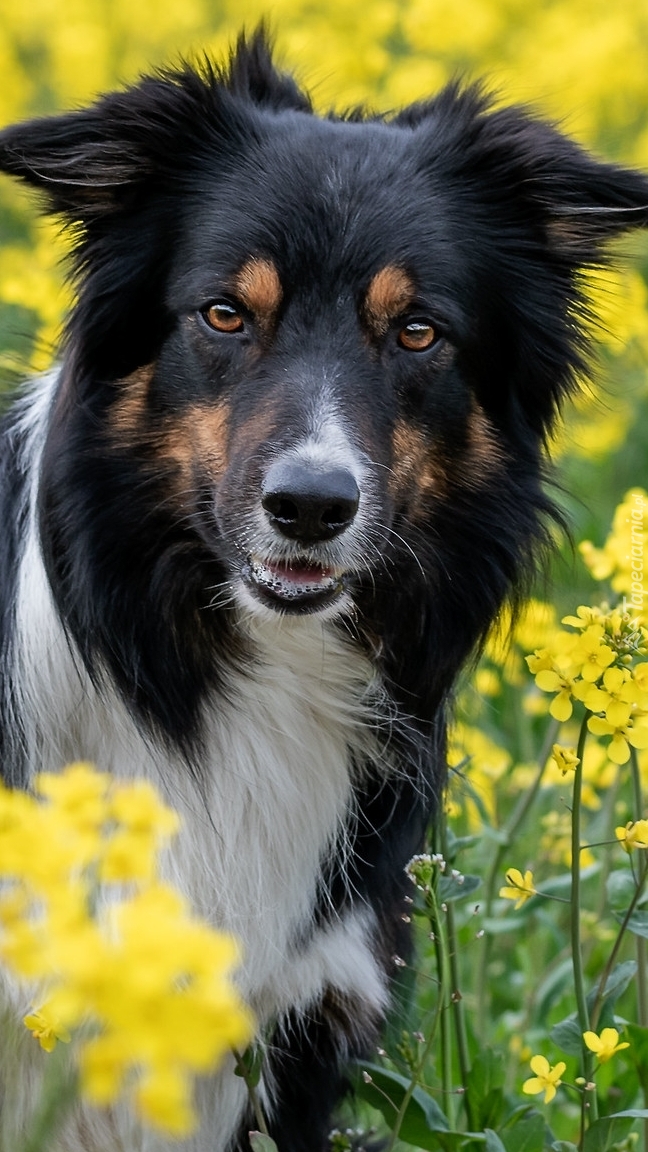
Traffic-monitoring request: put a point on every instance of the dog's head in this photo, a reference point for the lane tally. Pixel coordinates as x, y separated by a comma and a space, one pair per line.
321, 353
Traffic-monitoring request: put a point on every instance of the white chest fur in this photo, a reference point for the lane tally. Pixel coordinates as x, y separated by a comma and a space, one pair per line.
268, 801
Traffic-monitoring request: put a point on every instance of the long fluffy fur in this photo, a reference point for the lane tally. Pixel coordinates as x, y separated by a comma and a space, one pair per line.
150, 615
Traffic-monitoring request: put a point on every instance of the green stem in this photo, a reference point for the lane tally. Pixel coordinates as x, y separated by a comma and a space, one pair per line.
458, 1011
617, 945
506, 839
253, 1095
443, 965
59, 1092
459, 1015
437, 1019
640, 943
575, 915
642, 988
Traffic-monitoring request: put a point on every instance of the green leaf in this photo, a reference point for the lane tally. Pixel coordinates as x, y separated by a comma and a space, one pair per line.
638, 1052
485, 1088
457, 844
637, 923
616, 983
451, 888
621, 888
509, 923
424, 1124
603, 1134
261, 1143
493, 1142
550, 989
250, 1064
564, 1146
526, 1135
568, 1037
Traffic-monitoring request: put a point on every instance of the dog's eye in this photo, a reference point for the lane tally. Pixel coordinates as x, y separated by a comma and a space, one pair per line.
223, 317
417, 336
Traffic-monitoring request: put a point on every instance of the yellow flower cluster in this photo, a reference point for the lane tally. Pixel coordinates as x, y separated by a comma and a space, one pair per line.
595, 665
623, 559
547, 1077
115, 953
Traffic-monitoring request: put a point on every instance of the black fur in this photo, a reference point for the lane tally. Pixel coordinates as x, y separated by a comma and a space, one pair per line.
169, 187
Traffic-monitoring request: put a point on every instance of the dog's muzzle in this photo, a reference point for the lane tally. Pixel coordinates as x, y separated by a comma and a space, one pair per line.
308, 506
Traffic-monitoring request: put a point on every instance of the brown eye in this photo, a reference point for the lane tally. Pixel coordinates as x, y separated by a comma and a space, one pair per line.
417, 336
223, 317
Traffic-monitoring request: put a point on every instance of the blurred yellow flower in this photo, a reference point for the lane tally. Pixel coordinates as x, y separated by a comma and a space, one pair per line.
146, 985
46, 1028
565, 758
546, 1079
518, 887
633, 835
622, 559
605, 1045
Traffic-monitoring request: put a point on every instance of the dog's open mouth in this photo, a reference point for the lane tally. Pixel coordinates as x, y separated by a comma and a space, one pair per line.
293, 587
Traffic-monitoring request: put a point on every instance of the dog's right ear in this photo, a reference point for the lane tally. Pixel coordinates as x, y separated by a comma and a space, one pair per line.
108, 158
102, 160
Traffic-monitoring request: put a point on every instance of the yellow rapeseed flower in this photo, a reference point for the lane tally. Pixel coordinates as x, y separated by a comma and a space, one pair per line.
586, 615
546, 1079
46, 1028
623, 735
565, 758
592, 654
617, 695
144, 983
633, 835
606, 1045
552, 681
518, 887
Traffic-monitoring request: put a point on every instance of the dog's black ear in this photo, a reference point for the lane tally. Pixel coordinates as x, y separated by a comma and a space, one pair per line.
583, 201
105, 158
529, 172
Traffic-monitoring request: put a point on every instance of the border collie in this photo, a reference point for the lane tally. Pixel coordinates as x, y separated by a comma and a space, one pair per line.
288, 470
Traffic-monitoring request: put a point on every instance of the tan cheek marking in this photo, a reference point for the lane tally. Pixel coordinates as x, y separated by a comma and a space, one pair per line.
422, 471
484, 453
390, 293
256, 430
257, 285
127, 415
195, 443
418, 473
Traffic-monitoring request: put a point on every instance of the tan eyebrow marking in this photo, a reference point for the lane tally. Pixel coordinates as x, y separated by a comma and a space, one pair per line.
391, 292
258, 286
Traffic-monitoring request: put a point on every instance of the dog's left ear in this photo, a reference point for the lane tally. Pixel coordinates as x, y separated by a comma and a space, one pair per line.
530, 173
583, 201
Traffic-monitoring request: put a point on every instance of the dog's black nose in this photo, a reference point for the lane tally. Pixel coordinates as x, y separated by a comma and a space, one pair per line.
309, 504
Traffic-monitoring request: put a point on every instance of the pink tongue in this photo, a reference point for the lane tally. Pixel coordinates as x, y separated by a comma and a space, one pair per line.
300, 574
